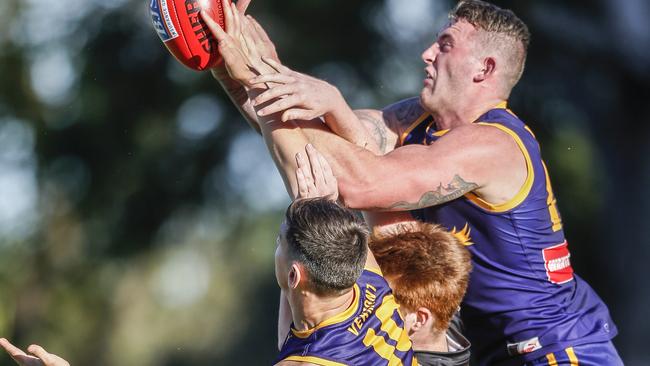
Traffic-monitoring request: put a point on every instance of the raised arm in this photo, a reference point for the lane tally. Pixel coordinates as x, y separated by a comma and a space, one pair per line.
239, 48
383, 126
298, 96
407, 178
235, 90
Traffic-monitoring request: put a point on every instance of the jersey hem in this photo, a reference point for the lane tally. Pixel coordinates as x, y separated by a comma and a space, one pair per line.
314, 360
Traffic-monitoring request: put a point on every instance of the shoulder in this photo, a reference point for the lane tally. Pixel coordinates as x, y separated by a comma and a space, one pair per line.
405, 108
480, 136
372, 275
404, 112
480, 152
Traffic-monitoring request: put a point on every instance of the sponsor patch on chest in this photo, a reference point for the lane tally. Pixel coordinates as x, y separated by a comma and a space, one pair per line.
557, 261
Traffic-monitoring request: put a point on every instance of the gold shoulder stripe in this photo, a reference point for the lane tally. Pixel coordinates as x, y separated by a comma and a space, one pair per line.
339, 318
440, 133
529, 130
314, 360
525, 188
551, 202
417, 122
437, 133
504, 105
375, 270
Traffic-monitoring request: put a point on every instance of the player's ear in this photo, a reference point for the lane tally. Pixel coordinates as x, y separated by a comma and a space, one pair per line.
294, 276
488, 67
423, 318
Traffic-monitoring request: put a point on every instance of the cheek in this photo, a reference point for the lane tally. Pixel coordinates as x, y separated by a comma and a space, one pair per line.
455, 68
280, 275
409, 319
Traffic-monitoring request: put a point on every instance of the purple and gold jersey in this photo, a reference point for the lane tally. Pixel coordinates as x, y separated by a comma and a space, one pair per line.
523, 299
370, 332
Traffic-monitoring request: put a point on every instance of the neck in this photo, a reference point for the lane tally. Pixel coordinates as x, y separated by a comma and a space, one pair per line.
308, 310
468, 113
431, 343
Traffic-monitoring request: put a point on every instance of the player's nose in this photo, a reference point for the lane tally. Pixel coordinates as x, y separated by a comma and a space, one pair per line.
429, 55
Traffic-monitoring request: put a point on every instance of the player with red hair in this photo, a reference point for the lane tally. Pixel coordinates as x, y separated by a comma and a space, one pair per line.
428, 269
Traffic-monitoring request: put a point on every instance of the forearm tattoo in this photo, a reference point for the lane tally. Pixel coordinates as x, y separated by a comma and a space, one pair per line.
455, 189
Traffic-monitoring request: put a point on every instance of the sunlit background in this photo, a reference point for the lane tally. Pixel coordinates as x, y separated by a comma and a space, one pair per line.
138, 212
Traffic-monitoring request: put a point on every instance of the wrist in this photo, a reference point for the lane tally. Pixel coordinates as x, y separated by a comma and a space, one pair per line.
341, 113
220, 73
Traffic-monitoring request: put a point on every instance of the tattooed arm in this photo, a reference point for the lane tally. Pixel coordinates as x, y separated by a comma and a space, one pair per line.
297, 96
398, 117
469, 158
384, 127
474, 158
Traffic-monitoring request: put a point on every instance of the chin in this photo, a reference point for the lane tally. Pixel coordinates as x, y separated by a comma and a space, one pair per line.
426, 100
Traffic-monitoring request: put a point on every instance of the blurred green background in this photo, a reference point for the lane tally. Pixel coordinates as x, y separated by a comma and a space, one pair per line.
138, 212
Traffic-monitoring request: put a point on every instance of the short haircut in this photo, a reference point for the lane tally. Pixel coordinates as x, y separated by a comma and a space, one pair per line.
427, 266
330, 241
503, 32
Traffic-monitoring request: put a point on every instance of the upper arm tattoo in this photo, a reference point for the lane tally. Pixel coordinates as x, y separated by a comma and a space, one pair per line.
455, 189
376, 127
401, 115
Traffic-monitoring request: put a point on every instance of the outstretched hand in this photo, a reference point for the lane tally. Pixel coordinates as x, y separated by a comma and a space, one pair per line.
40, 356
242, 44
315, 177
300, 96
261, 40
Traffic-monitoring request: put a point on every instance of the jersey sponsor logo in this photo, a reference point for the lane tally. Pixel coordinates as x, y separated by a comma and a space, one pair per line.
557, 261
521, 348
162, 21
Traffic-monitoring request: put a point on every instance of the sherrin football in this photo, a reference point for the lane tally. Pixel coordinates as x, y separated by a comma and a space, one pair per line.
184, 33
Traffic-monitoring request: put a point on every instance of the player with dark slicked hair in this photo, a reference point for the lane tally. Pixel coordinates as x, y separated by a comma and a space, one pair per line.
341, 309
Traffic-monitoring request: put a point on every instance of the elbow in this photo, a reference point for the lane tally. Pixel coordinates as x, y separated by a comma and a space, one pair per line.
356, 194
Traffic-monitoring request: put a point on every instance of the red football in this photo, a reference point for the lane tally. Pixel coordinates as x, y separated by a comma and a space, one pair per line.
184, 33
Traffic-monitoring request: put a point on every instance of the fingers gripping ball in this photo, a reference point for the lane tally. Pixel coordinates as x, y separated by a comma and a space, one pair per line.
184, 33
